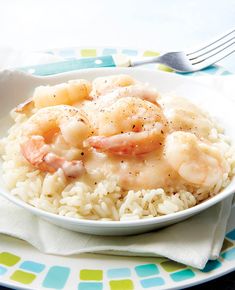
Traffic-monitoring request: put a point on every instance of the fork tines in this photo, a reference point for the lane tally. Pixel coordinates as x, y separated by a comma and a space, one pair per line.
215, 50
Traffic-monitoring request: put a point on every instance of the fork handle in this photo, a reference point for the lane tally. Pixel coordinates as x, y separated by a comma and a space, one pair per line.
145, 60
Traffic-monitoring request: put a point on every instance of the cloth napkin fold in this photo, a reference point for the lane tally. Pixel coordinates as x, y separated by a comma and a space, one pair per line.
192, 242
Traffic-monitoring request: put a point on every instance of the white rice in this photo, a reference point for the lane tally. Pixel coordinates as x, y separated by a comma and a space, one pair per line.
105, 201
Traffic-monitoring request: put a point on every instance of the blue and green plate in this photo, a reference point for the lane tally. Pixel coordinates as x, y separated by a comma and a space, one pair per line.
24, 267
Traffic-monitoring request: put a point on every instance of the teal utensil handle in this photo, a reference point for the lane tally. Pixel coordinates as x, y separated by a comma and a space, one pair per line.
69, 65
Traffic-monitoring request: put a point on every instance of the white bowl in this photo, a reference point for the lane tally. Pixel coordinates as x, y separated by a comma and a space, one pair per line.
16, 87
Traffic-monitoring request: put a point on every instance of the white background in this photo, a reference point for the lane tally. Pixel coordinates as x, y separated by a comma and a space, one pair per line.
163, 25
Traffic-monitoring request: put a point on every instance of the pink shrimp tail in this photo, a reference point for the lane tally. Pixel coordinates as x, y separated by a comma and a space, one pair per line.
35, 153
121, 144
102, 143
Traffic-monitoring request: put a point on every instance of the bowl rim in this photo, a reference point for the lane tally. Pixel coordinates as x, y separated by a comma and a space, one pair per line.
227, 191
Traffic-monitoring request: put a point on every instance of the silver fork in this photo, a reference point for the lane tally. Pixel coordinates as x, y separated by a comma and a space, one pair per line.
193, 61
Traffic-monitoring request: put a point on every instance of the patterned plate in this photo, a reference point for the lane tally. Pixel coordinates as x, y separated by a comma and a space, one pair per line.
80, 52
24, 267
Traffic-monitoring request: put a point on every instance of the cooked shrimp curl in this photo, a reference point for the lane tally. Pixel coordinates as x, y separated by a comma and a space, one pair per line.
130, 126
139, 91
104, 85
62, 94
40, 130
69, 93
195, 161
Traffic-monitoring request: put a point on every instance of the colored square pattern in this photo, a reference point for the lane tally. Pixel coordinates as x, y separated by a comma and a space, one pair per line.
32, 266
23, 277
151, 53
146, 270
56, 277
159, 260
165, 68
231, 235
108, 51
226, 73
8, 259
211, 265
3, 270
182, 275
67, 53
130, 52
91, 275
121, 285
229, 255
226, 245
119, 273
90, 286
171, 266
88, 52
152, 282
211, 69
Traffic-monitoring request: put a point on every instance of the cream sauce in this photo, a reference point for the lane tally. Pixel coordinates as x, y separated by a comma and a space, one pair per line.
143, 172
150, 170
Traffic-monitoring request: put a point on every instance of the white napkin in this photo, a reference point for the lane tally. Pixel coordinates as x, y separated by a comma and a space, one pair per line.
190, 242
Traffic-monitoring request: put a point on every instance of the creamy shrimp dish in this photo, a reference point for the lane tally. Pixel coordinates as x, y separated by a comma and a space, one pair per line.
113, 149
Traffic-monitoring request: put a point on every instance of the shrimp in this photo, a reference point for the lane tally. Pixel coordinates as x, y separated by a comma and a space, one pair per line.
103, 85
40, 130
195, 161
185, 116
143, 92
69, 93
140, 91
130, 126
61, 94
